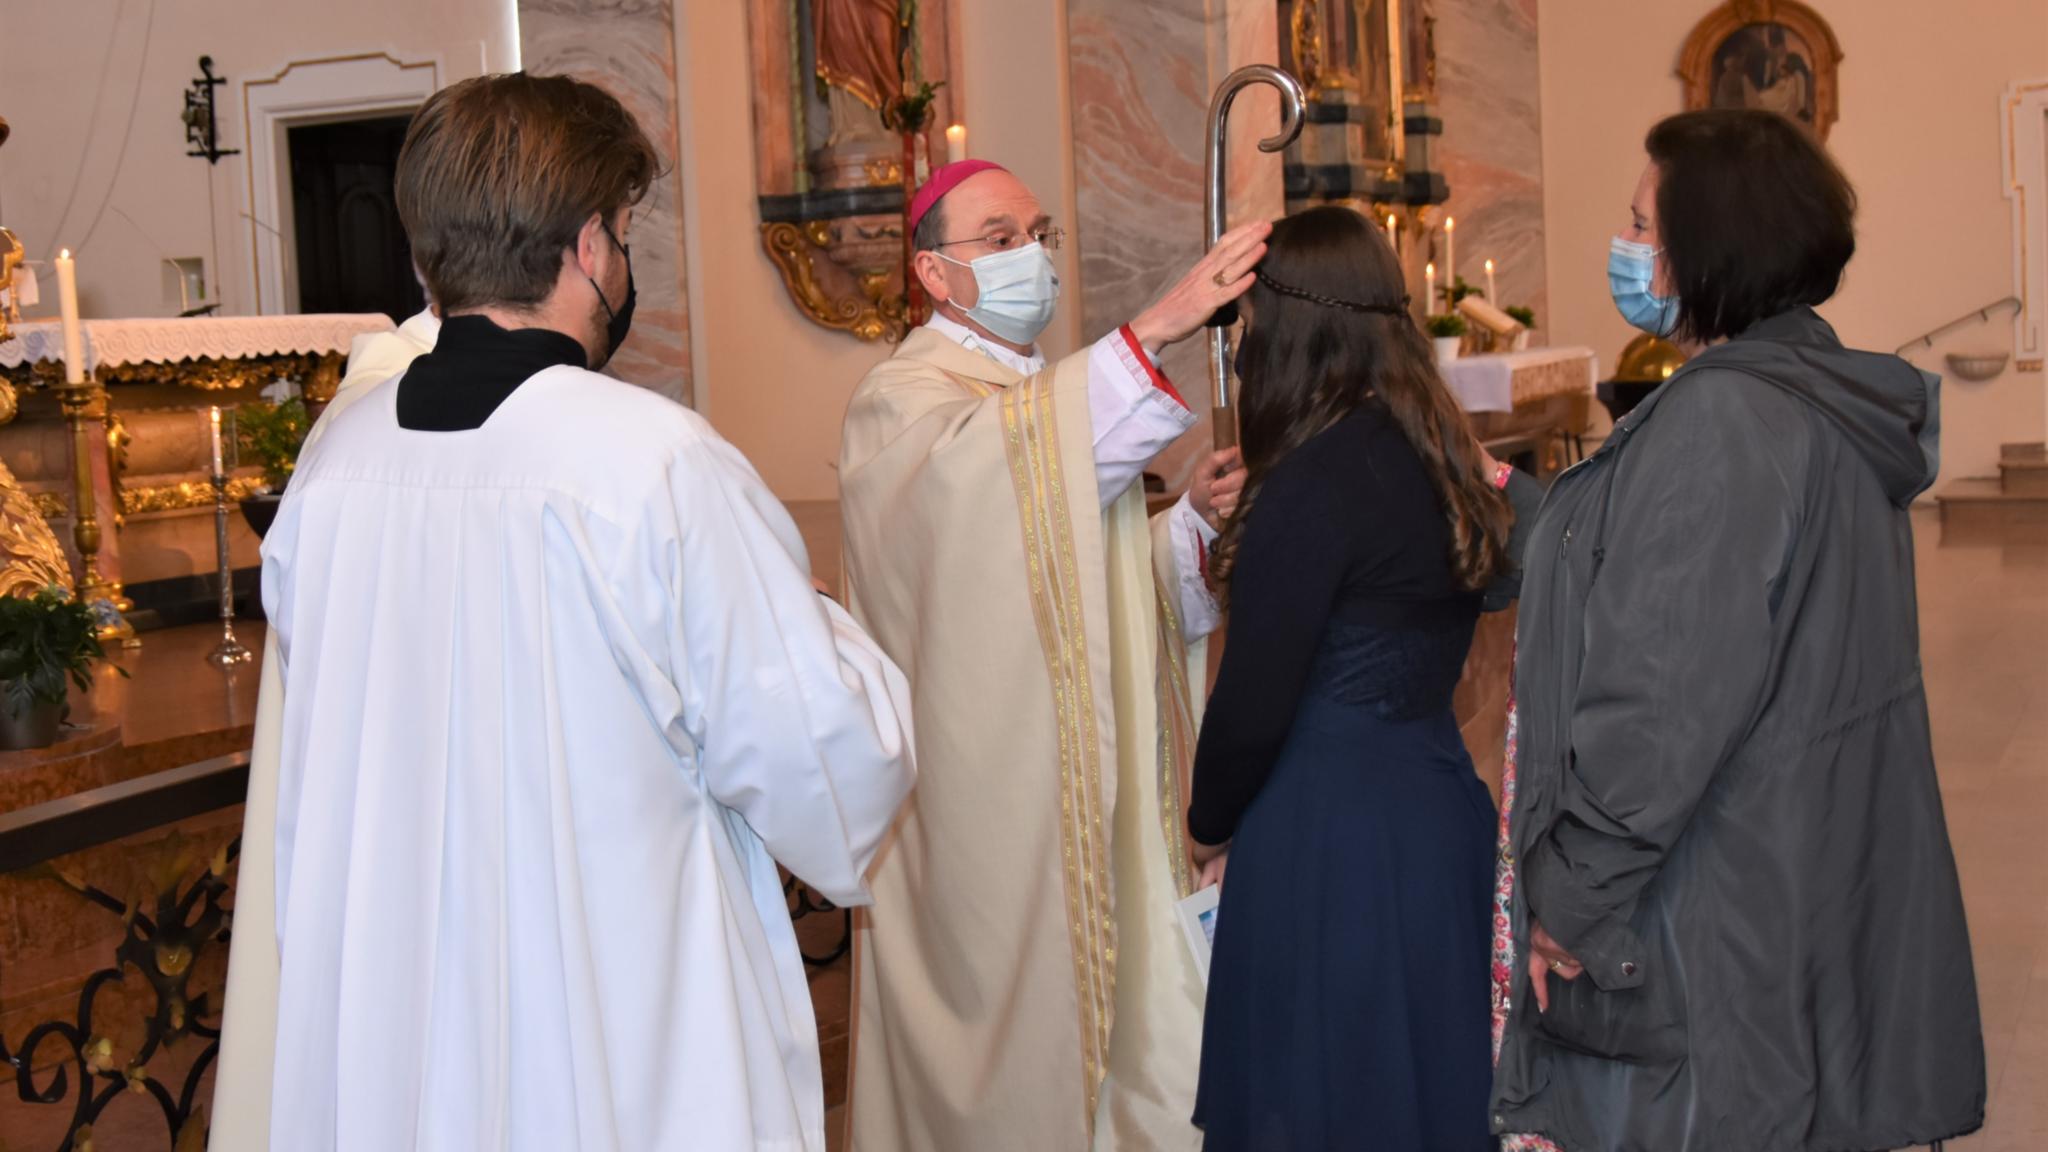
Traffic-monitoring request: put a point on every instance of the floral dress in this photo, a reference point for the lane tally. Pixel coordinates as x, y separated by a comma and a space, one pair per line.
1503, 925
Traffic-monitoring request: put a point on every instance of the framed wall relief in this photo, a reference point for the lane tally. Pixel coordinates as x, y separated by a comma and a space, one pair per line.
1777, 55
848, 98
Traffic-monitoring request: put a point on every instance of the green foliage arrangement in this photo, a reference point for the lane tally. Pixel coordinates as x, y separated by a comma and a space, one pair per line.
271, 436
46, 640
1445, 326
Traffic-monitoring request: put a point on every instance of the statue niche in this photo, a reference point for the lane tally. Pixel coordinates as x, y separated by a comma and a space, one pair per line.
831, 80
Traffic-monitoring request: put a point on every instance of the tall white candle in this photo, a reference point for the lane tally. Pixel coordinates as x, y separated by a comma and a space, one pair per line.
1492, 290
1393, 234
1429, 289
214, 416
956, 143
67, 303
1450, 254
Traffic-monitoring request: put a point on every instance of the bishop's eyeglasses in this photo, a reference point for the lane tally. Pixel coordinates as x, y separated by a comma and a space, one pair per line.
1004, 240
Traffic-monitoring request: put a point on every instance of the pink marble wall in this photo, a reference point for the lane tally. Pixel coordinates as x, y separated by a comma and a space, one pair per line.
628, 47
1488, 93
1142, 72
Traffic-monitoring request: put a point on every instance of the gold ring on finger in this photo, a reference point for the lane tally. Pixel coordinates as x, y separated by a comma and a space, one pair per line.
1222, 280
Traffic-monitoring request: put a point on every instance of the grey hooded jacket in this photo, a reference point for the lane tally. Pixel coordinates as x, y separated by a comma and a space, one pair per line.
1727, 806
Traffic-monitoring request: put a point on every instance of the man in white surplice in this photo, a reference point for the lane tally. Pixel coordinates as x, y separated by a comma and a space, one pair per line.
557, 693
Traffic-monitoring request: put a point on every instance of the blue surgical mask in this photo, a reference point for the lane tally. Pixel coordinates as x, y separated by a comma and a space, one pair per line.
1631, 273
1018, 289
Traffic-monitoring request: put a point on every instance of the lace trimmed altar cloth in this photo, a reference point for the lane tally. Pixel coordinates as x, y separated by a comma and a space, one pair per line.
115, 343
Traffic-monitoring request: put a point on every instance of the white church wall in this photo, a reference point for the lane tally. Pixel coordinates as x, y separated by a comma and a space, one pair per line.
1919, 135
93, 90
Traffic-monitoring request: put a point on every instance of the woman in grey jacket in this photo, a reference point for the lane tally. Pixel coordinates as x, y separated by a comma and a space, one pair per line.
1736, 920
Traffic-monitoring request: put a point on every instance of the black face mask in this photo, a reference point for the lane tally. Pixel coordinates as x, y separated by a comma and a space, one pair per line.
621, 321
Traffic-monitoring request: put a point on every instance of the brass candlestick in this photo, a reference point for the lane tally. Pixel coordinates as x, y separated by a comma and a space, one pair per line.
84, 406
229, 652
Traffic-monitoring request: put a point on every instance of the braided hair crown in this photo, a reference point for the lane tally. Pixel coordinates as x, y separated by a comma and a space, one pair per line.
1383, 309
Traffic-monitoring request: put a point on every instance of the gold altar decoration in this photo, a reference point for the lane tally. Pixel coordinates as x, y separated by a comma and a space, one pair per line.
185, 494
1777, 55
1648, 358
319, 374
12, 256
30, 557
855, 287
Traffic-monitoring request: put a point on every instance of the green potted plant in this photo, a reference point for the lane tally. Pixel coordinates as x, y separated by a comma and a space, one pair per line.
271, 436
1447, 331
47, 642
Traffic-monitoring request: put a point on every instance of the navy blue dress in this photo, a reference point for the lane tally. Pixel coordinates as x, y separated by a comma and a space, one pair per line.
1348, 989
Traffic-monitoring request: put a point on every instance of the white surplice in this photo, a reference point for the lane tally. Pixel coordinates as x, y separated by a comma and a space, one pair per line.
557, 694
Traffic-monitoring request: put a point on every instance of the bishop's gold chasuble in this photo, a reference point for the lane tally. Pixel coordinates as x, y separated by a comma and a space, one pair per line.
1021, 981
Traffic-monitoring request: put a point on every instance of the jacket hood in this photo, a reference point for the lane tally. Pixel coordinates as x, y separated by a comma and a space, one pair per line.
1887, 408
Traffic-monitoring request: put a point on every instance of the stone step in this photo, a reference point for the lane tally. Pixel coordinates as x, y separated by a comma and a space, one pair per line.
1984, 509
2023, 477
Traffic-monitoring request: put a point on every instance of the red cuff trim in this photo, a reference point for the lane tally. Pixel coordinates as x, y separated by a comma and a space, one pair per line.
1503, 474
1140, 364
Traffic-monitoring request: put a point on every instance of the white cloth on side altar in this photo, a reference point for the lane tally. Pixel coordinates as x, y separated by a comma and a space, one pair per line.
1132, 420
547, 701
171, 340
1487, 383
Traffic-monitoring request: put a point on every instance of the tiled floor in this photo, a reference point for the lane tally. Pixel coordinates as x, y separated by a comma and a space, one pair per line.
1984, 641
1984, 645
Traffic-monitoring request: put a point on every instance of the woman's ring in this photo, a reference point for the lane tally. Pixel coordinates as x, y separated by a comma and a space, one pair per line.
1222, 281
1557, 965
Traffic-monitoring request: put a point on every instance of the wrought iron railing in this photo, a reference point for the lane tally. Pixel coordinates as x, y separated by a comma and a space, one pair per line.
73, 1062
160, 950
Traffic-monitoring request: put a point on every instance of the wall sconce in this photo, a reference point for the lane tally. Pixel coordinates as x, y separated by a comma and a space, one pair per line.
199, 120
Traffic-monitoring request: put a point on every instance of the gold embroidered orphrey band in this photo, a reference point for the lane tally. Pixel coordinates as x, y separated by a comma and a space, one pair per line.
1032, 440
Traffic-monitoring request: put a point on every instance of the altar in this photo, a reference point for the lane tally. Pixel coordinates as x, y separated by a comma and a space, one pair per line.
1533, 401
141, 421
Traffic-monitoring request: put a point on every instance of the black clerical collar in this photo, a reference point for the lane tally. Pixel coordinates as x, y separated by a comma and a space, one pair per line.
476, 366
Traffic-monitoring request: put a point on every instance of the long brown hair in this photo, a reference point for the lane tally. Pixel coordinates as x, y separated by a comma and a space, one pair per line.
1330, 332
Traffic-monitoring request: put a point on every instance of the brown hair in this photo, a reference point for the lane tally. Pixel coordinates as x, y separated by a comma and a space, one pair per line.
1755, 218
1330, 333
499, 174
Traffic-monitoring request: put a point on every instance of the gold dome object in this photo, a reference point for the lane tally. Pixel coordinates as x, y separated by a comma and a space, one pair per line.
1648, 358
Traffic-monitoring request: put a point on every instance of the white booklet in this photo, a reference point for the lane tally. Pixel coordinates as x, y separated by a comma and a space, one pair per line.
1198, 924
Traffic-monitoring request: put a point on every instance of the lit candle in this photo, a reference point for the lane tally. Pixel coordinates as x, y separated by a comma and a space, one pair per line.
1393, 235
1450, 254
1429, 289
956, 143
67, 302
1492, 292
214, 415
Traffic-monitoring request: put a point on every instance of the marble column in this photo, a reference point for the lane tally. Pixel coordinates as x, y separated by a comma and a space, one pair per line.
1141, 73
628, 48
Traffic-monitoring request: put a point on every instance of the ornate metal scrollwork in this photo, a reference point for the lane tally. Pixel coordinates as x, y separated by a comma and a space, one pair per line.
804, 902
164, 950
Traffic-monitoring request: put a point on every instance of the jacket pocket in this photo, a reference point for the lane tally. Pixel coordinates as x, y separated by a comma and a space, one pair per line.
1644, 1024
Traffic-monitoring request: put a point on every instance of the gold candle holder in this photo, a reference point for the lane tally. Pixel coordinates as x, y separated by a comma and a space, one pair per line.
84, 407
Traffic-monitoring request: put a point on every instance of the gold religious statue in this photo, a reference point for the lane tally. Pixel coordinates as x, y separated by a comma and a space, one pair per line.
11, 256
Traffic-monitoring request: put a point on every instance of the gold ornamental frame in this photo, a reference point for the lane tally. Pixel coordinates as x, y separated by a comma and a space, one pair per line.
1696, 62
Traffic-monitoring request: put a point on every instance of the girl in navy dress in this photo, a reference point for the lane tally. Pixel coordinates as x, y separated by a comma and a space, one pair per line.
1348, 989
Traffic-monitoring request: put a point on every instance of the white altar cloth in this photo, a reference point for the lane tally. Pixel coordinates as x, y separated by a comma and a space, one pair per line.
1500, 382
114, 343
